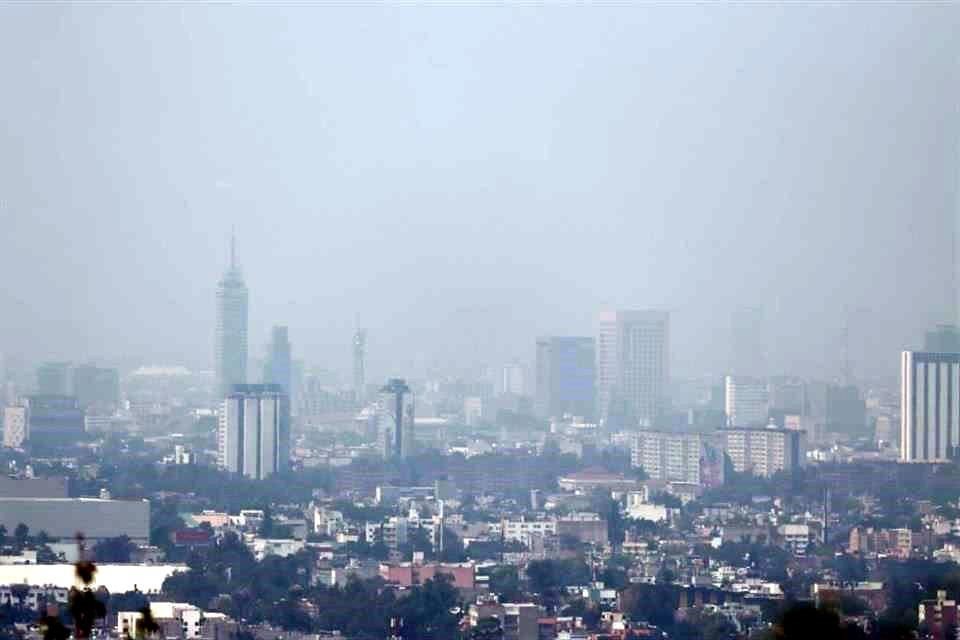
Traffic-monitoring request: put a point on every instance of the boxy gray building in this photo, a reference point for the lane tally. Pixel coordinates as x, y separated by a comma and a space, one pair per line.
64, 517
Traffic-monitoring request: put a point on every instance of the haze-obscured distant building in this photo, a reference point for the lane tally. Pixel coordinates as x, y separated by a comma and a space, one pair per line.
513, 379
53, 379
472, 410
254, 432
787, 396
945, 338
278, 367
633, 367
884, 430
746, 401
396, 419
566, 374
930, 406
96, 386
846, 411
231, 336
748, 346
359, 365
54, 420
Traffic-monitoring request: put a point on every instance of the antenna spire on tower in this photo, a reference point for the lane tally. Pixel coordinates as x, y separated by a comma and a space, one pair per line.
233, 248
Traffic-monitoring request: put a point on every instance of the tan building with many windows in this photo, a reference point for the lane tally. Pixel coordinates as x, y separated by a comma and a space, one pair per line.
763, 451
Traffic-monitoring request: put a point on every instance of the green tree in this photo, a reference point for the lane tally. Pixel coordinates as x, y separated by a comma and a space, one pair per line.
418, 541
116, 549
488, 628
803, 621
505, 582
453, 550
19, 593
427, 611
267, 526
547, 577
21, 534
702, 625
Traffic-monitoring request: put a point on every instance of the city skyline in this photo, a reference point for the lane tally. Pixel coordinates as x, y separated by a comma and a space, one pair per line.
555, 321
711, 178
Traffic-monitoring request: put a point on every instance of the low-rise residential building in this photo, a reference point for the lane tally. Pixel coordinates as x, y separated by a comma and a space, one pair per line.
795, 537
408, 574
764, 451
894, 542
327, 522
178, 620
519, 621
521, 529
939, 616
588, 480
263, 547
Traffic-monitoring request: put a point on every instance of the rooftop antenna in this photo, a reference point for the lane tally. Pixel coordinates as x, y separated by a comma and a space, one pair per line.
233, 248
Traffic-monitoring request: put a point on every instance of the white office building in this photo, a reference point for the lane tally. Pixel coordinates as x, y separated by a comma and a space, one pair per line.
929, 406
254, 434
746, 401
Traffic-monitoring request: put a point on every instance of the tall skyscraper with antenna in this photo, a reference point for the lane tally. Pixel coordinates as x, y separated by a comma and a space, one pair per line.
231, 338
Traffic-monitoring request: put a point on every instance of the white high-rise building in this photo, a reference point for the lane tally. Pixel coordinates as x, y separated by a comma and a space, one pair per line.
633, 366
254, 434
514, 379
929, 406
746, 401
231, 338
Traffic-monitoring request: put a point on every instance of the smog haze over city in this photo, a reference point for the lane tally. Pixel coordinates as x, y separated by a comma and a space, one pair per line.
459, 179
479, 320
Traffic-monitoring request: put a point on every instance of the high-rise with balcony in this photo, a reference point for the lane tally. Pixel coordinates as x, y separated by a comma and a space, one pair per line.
231, 338
633, 367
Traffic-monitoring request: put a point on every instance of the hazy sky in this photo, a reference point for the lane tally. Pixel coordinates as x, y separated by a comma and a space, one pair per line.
463, 179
